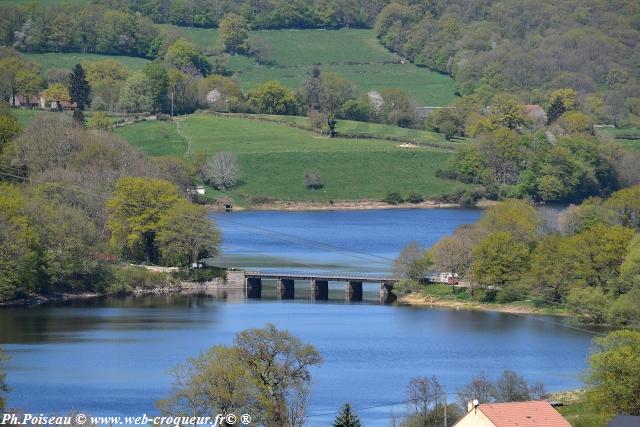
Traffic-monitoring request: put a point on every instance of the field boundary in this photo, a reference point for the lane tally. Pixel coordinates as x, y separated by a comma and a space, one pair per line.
345, 135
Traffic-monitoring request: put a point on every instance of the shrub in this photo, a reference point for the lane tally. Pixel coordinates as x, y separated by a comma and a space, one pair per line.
485, 295
393, 198
221, 171
125, 279
414, 197
260, 199
313, 180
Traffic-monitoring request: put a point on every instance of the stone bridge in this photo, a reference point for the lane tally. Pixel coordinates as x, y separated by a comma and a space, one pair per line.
319, 283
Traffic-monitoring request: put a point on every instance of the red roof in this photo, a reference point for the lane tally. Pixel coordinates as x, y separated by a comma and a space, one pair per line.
523, 414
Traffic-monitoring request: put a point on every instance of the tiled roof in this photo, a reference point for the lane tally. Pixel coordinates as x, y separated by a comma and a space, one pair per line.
523, 414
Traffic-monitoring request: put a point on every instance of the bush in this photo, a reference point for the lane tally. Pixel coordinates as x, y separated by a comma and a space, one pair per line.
125, 279
260, 199
201, 274
393, 198
414, 197
313, 180
484, 295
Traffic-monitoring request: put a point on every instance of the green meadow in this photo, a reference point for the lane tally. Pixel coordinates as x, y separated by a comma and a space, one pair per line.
354, 53
68, 60
274, 158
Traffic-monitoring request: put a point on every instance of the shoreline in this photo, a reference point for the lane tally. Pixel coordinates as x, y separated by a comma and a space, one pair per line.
346, 205
424, 301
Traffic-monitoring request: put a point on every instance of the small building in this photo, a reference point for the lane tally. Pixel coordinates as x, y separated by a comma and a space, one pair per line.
624, 421
512, 414
197, 190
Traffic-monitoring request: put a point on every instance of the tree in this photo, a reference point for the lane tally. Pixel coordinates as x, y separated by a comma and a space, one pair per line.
313, 180
107, 69
556, 109
347, 418
273, 98
186, 235
183, 92
511, 387
57, 93
412, 263
215, 382
335, 90
424, 394
499, 259
135, 212
614, 373
79, 89
233, 33
626, 204
99, 120
157, 82
184, 56
397, 109
222, 170
480, 388
279, 363
4, 388
137, 95
9, 126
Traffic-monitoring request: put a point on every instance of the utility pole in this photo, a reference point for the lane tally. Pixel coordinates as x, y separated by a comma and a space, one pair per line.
171, 104
445, 409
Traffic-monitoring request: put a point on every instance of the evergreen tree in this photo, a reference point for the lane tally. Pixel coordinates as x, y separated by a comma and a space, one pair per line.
556, 109
78, 117
347, 418
79, 89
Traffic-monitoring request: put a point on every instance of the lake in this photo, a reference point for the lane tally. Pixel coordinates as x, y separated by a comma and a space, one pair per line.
110, 356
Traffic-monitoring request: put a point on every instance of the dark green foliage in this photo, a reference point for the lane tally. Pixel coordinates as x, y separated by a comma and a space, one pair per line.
556, 109
78, 117
414, 197
79, 89
4, 388
393, 198
347, 418
265, 14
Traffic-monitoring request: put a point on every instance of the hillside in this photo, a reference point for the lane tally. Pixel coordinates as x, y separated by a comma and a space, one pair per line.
275, 157
68, 60
354, 53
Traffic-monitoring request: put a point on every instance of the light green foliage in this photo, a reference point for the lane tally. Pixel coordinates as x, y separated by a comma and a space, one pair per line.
273, 98
105, 69
499, 259
575, 122
234, 33
614, 374
630, 268
516, 217
550, 275
413, 263
136, 95
57, 93
9, 126
135, 212
625, 310
185, 57
156, 85
99, 120
335, 91
186, 235
213, 382
626, 204
279, 365
590, 304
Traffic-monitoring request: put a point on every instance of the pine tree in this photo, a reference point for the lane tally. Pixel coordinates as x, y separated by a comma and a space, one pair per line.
79, 89
556, 109
347, 418
78, 117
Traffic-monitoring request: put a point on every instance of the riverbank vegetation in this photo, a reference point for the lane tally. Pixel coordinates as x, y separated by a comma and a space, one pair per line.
74, 203
583, 258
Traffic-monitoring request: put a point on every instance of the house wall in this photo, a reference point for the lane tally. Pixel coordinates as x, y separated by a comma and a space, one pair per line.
475, 418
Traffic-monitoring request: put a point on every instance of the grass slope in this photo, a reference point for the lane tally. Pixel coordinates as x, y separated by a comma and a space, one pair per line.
68, 60
275, 157
354, 53
629, 137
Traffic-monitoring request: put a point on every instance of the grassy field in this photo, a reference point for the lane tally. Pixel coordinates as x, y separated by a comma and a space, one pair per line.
371, 130
629, 137
275, 157
45, 2
356, 54
68, 60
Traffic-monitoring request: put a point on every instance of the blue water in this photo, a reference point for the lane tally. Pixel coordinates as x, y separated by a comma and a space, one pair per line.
111, 356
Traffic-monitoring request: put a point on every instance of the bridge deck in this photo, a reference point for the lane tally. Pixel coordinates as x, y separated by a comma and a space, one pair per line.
330, 277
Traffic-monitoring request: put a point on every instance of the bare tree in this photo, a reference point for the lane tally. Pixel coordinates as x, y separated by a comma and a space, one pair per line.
480, 388
222, 170
511, 387
412, 263
424, 393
